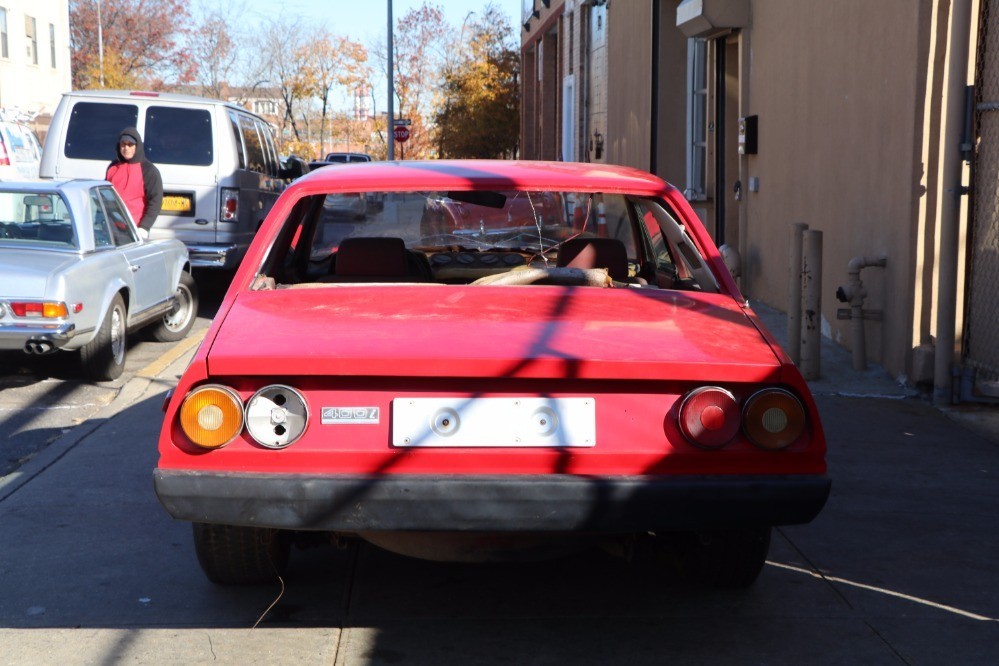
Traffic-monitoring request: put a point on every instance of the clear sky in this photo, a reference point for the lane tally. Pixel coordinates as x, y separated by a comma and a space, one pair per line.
366, 20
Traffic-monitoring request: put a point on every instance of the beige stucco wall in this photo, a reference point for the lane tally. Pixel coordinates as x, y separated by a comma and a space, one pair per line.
839, 89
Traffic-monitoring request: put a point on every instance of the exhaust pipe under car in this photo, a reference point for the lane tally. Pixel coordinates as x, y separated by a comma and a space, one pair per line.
38, 347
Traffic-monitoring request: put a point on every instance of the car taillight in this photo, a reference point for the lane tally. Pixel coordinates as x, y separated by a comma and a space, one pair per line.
42, 309
709, 417
211, 416
229, 204
773, 419
276, 416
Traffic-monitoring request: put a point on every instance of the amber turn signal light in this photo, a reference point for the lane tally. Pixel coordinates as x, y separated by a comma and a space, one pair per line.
211, 416
773, 419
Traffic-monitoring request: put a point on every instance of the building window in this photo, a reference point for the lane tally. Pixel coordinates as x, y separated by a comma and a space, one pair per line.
3, 34
697, 119
52, 43
31, 36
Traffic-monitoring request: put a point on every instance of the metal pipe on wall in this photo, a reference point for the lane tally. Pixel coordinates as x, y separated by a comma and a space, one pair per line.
812, 291
950, 197
794, 293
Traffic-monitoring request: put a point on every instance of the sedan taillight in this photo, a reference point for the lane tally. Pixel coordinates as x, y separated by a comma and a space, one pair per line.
710, 417
773, 419
211, 416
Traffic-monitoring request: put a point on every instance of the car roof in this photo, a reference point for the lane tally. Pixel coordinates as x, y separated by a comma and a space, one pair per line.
443, 175
48, 185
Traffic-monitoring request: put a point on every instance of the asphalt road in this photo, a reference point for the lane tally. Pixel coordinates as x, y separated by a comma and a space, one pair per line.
898, 569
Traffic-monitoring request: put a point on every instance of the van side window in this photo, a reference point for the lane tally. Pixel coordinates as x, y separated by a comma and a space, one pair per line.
254, 148
238, 138
270, 153
176, 135
93, 129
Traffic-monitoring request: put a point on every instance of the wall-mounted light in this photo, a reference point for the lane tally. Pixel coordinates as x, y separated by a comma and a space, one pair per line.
597, 144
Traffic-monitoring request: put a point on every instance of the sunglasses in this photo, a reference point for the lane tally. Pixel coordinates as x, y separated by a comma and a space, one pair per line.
128, 144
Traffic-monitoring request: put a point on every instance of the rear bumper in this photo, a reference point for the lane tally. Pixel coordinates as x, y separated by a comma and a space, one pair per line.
559, 503
213, 256
52, 336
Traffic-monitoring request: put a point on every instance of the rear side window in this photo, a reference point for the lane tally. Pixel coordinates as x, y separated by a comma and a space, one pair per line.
94, 128
121, 230
234, 121
254, 148
176, 135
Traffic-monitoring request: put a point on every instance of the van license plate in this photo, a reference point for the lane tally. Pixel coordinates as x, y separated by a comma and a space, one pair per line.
177, 203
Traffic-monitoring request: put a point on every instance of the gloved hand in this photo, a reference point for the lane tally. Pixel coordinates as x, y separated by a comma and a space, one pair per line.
143, 234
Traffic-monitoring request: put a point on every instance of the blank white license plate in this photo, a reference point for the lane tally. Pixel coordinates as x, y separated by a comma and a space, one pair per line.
485, 422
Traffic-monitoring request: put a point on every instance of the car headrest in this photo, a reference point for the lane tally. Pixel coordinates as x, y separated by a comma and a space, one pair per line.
371, 257
608, 253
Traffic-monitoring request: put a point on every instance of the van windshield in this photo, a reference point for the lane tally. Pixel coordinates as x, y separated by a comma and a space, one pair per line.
171, 135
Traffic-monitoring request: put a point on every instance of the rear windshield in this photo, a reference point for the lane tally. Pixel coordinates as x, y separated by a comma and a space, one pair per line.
172, 135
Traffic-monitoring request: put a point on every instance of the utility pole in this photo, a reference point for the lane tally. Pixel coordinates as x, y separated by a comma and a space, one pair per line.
391, 89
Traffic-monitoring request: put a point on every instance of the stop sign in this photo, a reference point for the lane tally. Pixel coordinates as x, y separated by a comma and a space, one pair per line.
400, 133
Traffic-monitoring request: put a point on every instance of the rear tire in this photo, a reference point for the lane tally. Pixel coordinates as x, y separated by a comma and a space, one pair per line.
722, 559
176, 324
103, 358
233, 555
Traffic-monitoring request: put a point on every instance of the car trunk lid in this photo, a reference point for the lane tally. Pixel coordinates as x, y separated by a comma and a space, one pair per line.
25, 273
536, 331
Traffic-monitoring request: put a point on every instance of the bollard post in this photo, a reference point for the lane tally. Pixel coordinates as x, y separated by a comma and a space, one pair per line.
812, 315
794, 294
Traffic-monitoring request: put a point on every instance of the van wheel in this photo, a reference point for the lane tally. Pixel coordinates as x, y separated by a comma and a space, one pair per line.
177, 323
103, 358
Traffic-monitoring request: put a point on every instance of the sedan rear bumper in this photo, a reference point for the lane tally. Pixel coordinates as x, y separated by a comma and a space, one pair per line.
558, 503
51, 336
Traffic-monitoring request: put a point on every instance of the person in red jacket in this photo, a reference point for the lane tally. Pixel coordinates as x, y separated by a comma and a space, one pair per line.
137, 180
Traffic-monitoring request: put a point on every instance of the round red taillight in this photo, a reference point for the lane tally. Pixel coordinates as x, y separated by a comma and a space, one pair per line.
773, 419
709, 417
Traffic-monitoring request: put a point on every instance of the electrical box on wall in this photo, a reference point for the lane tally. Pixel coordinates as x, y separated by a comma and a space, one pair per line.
747, 135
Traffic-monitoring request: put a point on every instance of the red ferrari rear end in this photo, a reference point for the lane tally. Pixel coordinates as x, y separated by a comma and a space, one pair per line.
442, 395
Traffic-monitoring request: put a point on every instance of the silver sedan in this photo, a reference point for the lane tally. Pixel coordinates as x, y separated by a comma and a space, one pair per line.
75, 275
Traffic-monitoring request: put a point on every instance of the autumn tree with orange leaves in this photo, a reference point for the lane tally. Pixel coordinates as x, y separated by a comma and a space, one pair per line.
479, 115
142, 42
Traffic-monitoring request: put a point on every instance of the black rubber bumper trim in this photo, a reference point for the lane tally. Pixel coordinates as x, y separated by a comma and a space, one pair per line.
490, 503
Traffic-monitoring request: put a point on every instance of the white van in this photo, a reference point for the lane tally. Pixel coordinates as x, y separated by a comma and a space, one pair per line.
220, 168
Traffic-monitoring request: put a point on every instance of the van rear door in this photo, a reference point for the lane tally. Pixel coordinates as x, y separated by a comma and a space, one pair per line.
180, 141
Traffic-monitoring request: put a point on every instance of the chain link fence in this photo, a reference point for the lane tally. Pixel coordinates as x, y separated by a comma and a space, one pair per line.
982, 334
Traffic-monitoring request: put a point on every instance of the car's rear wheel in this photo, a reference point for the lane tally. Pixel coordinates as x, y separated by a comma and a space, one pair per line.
177, 323
103, 358
233, 555
719, 558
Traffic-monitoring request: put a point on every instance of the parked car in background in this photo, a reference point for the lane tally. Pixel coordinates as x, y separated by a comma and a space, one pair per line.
558, 384
20, 152
75, 276
344, 158
220, 169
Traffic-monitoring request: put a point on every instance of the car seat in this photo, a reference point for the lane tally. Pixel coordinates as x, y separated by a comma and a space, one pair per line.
377, 259
587, 252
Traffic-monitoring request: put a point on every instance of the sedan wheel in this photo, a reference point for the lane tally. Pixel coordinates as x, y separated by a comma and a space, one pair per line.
177, 323
233, 555
103, 358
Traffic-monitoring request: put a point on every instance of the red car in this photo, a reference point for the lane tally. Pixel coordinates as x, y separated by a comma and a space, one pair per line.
588, 376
